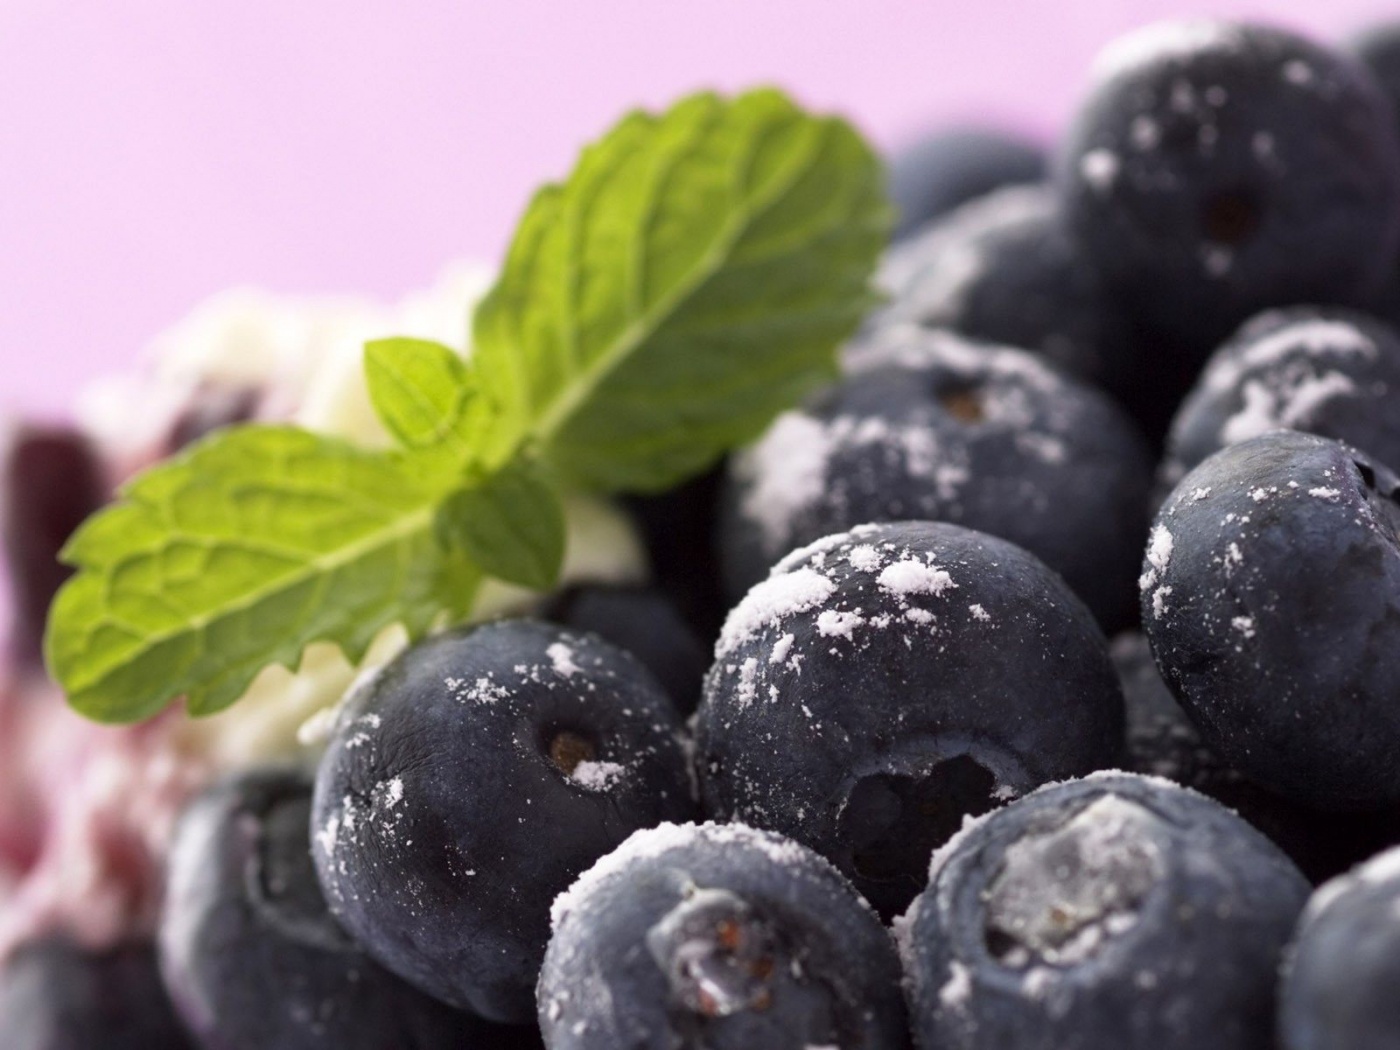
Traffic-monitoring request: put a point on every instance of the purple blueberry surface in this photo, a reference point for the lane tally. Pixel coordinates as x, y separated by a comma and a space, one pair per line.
470, 782
884, 683
1324, 371
678, 527
251, 954
1378, 49
1004, 269
1115, 911
1271, 598
57, 995
1216, 169
932, 426
719, 937
1338, 987
645, 622
1164, 742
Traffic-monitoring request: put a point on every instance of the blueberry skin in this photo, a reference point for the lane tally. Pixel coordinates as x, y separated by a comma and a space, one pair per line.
929, 425
250, 953
1216, 169
645, 622
1271, 598
678, 528
50, 480
1378, 49
1339, 981
882, 684
56, 995
1115, 911
1004, 269
721, 937
470, 782
1163, 742
1325, 371
950, 167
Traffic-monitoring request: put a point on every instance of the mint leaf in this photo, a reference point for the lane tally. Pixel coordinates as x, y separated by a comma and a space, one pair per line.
425, 395
237, 554
511, 525
690, 280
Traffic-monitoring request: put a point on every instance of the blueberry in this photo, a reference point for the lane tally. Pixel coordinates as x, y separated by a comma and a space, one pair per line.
1326, 371
940, 171
470, 782
56, 995
721, 937
931, 426
1004, 269
882, 684
52, 480
645, 622
253, 957
1339, 983
1271, 598
1217, 169
1116, 911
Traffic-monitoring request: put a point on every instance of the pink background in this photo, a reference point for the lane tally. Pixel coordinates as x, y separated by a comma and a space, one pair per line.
153, 152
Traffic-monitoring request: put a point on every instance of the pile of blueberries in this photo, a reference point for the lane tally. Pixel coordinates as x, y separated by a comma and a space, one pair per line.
1147, 391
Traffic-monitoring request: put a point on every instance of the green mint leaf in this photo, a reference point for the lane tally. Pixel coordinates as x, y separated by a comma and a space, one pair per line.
691, 279
425, 395
234, 556
511, 525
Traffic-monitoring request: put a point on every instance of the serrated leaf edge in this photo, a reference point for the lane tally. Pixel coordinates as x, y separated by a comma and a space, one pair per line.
318, 567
